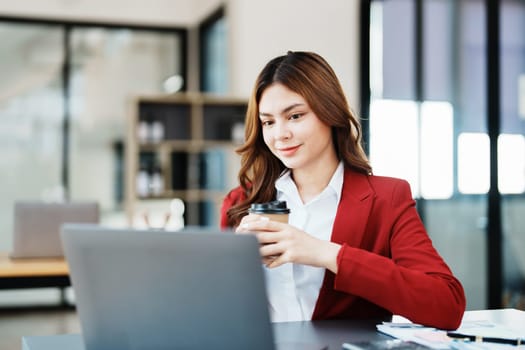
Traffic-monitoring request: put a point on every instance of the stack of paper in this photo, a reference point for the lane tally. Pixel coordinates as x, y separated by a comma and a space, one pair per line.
431, 337
438, 339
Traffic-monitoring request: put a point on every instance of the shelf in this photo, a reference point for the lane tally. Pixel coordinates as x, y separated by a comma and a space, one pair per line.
188, 142
187, 195
189, 146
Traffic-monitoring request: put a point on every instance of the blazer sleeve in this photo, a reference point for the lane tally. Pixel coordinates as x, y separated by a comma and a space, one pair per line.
400, 270
232, 198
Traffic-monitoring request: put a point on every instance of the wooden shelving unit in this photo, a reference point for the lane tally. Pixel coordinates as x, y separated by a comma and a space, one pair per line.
196, 153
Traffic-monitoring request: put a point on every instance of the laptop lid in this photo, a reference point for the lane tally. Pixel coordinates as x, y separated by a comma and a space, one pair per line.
196, 289
36, 226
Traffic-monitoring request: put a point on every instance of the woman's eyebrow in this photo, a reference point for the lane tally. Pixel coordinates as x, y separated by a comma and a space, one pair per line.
285, 110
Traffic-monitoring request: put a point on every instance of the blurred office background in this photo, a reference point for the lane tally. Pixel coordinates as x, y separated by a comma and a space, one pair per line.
439, 85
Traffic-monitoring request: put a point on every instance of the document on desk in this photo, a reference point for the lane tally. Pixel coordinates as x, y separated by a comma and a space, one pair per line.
473, 335
494, 335
430, 337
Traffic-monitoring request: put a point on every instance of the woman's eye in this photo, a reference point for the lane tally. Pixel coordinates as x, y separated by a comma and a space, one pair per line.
266, 122
296, 116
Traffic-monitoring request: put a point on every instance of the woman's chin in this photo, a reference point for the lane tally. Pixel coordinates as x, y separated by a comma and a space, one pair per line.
290, 164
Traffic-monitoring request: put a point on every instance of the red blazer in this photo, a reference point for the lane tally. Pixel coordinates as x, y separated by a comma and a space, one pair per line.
387, 264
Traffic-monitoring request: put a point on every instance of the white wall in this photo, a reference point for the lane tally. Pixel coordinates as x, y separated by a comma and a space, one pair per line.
261, 30
145, 12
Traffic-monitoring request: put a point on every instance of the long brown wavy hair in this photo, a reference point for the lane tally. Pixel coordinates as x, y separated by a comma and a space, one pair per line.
309, 75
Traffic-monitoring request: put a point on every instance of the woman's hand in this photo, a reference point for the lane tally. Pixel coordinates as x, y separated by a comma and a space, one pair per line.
282, 243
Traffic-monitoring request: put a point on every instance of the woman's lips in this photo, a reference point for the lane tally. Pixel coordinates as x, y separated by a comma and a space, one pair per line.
288, 151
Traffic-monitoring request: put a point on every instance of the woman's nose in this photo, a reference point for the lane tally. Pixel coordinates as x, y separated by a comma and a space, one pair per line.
282, 131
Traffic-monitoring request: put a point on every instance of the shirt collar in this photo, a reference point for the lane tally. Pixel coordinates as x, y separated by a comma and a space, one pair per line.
285, 184
336, 182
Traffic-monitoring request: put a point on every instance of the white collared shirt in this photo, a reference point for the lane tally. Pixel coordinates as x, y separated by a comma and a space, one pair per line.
293, 289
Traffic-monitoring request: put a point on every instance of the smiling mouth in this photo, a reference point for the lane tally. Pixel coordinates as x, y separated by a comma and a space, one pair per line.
288, 150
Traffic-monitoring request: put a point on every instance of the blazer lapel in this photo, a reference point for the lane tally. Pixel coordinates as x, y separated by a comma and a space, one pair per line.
357, 197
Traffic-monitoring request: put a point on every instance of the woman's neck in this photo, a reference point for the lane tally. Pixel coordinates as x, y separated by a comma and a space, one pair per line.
311, 182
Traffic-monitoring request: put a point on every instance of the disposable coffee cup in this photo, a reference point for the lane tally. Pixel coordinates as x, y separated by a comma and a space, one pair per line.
275, 210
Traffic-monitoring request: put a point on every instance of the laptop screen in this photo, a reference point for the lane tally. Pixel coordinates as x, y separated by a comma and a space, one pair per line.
161, 290
36, 231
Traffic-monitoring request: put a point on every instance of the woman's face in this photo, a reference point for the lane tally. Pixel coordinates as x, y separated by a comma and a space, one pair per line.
292, 131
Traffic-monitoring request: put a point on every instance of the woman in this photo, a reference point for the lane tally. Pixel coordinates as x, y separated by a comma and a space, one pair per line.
354, 246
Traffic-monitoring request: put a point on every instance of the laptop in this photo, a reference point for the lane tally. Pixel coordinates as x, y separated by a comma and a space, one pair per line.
36, 226
152, 289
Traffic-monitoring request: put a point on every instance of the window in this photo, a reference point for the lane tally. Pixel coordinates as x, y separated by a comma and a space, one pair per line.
511, 163
214, 59
64, 108
31, 114
473, 163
